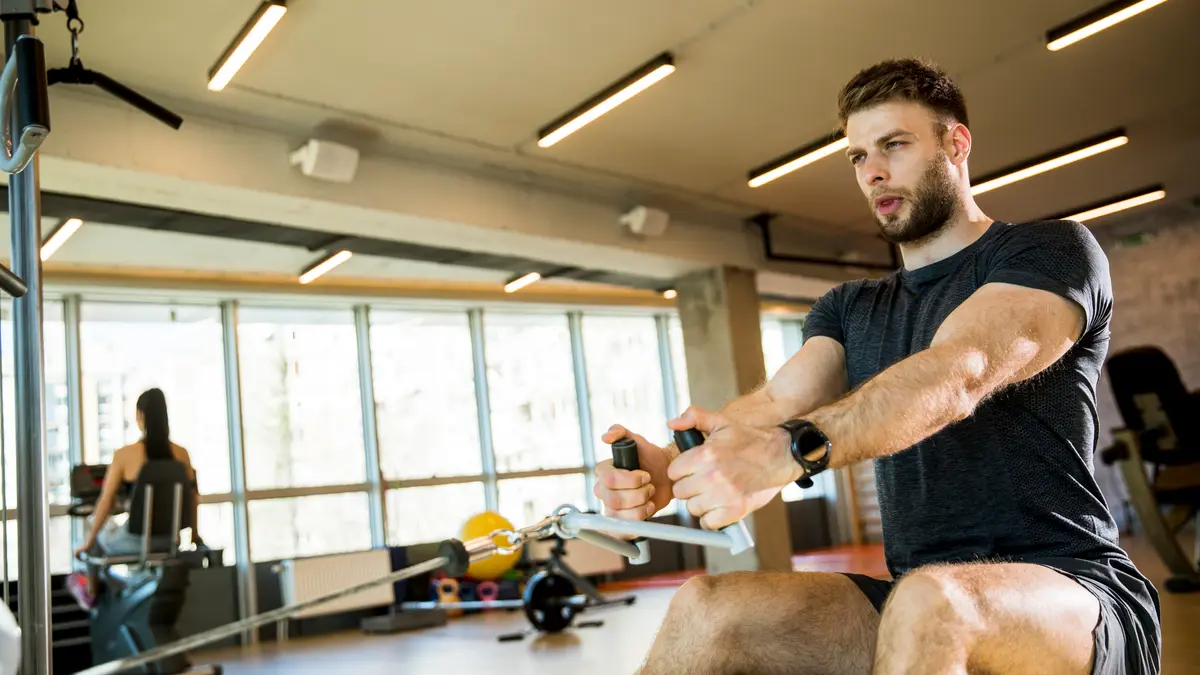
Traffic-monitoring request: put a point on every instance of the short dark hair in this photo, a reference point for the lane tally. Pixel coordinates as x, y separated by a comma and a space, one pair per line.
909, 79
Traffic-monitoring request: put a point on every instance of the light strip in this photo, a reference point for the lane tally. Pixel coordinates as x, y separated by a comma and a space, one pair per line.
632, 85
239, 51
324, 266
1049, 165
517, 284
759, 178
1094, 22
1109, 209
60, 237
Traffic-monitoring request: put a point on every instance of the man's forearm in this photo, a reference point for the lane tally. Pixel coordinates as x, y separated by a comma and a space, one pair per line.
900, 407
757, 409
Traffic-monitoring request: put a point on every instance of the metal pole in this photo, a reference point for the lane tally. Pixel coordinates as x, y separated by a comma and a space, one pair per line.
247, 583
24, 208
366, 387
71, 325
491, 491
583, 400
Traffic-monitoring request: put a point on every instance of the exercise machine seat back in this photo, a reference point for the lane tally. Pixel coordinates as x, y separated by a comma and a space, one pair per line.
1154, 402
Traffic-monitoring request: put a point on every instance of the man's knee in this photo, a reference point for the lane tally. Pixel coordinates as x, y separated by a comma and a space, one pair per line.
933, 597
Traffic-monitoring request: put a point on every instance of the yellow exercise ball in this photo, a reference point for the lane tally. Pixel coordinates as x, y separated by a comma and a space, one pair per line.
481, 525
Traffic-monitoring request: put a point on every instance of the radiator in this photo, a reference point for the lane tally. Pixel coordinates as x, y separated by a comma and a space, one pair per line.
307, 578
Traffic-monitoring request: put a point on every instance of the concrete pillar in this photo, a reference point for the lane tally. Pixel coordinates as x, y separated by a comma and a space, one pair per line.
722, 339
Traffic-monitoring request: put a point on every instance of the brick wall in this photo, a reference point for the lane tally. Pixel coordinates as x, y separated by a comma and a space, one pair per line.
1156, 301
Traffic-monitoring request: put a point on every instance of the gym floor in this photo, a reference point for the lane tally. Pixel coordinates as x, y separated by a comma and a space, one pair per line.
469, 645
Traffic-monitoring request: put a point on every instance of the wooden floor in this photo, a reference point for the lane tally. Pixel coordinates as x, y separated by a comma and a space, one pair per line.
469, 645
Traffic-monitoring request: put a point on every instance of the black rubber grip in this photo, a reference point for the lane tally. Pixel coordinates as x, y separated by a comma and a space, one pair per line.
625, 454
688, 438
455, 552
33, 101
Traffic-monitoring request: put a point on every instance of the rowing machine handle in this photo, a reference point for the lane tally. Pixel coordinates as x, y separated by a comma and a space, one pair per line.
625, 456
738, 533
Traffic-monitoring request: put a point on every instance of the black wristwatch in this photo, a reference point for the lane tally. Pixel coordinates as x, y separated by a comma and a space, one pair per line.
810, 448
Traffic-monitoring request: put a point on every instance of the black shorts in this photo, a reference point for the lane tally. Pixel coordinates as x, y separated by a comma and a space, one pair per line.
1127, 638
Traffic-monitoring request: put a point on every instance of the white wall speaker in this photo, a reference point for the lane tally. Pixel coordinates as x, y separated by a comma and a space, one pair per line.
646, 221
326, 160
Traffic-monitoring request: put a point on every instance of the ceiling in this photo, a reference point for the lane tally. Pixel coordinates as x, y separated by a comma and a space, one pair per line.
468, 83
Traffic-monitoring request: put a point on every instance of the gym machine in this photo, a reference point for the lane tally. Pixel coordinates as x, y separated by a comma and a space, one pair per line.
1158, 452
557, 602
141, 596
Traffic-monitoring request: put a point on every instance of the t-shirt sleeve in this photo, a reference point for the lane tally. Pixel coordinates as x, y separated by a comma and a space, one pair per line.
1062, 257
825, 317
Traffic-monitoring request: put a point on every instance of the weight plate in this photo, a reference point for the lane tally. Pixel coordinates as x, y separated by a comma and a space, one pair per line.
544, 601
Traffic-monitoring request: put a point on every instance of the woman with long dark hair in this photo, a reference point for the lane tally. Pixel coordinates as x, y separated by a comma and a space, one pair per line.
111, 539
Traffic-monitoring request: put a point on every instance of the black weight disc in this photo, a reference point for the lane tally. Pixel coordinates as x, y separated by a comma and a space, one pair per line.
544, 595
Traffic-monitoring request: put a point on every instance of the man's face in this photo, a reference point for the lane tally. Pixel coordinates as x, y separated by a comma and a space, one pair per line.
903, 170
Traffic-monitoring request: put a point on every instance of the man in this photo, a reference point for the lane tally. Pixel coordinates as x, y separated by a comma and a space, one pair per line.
969, 378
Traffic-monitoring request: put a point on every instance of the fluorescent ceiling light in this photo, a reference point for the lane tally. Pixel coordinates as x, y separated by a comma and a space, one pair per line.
619, 92
1049, 162
59, 237
521, 282
239, 51
1095, 21
1118, 204
324, 266
800, 158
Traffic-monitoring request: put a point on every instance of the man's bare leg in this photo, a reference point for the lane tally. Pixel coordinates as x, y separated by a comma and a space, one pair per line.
1003, 618
766, 622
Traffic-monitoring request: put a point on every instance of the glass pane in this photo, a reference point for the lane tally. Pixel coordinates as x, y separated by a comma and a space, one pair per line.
531, 383
683, 396
424, 515
216, 528
129, 348
59, 555
58, 437
774, 355
307, 526
301, 404
625, 384
524, 501
425, 405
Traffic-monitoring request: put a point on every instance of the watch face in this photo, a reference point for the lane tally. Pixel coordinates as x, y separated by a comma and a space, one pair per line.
812, 444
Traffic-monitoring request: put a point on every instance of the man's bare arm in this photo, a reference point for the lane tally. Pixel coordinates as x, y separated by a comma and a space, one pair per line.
814, 376
1001, 335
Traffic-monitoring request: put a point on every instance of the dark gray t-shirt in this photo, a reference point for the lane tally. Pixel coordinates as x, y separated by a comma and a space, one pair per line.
1013, 481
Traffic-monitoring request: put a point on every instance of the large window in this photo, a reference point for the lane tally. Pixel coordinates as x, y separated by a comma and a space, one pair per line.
524, 501
425, 406
683, 395
58, 555
432, 513
531, 384
301, 403
129, 348
58, 437
216, 528
308, 526
624, 373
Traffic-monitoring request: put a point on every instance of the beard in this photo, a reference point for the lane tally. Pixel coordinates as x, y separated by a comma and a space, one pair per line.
931, 207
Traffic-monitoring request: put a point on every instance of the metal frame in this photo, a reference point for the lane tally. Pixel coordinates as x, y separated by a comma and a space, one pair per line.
366, 388
247, 582
71, 329
483, 406
583, 400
